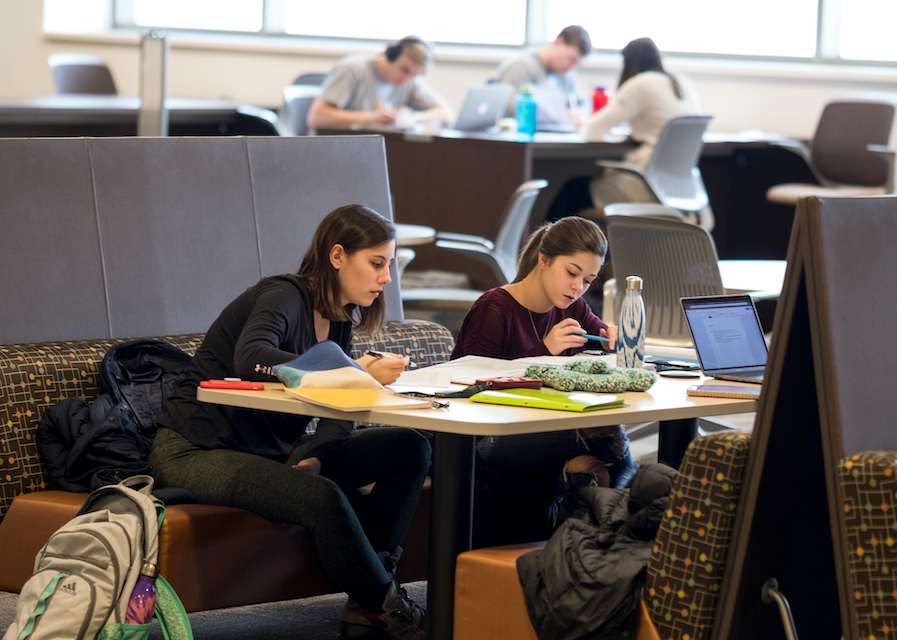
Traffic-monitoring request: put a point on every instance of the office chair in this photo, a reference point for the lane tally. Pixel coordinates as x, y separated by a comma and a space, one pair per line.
672, 175
676, 259
297, 99
81, 73
500, 255
316, 79
840, 155
645, 209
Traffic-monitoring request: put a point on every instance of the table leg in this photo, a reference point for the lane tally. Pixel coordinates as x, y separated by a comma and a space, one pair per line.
451, 520
674, 438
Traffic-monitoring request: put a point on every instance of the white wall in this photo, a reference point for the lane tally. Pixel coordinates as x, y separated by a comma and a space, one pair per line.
773, 97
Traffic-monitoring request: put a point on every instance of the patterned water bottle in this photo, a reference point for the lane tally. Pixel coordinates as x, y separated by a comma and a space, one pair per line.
142, 603
631, 330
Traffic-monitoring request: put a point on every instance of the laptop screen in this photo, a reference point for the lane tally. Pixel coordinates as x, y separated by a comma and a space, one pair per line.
726, 331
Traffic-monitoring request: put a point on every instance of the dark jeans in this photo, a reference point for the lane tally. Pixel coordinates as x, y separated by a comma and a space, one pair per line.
520, 481
396, 459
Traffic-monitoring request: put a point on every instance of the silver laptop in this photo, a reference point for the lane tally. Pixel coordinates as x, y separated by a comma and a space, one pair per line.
483, 106
728, 336
552, 111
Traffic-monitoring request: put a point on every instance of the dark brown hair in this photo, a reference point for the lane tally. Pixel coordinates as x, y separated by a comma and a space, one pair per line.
356, 228
643, 55
565, 237
576, 36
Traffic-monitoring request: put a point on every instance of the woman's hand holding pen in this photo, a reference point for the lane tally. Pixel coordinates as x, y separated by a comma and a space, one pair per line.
568, 334
385, 367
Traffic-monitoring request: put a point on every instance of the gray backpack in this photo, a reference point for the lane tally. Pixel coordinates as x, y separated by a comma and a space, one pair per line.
84, 575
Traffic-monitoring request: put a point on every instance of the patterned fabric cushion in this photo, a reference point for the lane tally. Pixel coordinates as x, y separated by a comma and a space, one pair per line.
36, 375
33, 377
426, 343
869, 484
686, 565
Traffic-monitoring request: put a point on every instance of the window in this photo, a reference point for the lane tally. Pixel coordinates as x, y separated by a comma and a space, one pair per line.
777, 28
867, 29
206, 15
464, 21
810, 30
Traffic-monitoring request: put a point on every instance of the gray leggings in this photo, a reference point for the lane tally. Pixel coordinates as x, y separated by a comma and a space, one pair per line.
396, 459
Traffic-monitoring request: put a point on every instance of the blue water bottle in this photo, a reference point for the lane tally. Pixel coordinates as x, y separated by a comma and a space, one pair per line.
526, 111
631, 330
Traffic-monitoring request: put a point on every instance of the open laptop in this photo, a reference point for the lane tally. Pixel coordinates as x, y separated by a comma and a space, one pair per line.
483, 106
552, 113
728, 336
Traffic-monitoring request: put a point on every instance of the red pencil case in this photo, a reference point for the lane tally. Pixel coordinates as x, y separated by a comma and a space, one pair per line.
244, 385
510, 383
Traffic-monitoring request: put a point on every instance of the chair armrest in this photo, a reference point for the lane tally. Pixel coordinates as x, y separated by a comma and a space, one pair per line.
622, 166
464, 237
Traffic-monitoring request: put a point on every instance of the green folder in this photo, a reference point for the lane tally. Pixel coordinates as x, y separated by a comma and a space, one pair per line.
545, 398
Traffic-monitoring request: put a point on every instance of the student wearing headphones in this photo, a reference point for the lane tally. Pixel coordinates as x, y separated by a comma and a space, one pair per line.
551, 69
363, 90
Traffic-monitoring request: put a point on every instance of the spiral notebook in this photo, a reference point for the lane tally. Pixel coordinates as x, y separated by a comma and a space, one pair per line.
745, 391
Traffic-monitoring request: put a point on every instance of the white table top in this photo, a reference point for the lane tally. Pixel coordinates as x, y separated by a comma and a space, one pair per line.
411, 234
666, 400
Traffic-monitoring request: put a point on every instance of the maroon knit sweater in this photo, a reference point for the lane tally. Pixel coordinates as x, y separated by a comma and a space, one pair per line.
497, 326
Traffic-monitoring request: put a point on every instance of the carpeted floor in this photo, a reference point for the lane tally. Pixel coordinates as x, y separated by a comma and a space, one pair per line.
306, 619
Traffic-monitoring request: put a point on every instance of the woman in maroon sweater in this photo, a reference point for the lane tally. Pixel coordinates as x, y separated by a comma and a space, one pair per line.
521, 479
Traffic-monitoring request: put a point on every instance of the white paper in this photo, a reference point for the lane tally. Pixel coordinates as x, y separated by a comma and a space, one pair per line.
469, 369
426, 377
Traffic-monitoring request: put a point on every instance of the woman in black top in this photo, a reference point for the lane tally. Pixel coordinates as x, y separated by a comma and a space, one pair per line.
264, 461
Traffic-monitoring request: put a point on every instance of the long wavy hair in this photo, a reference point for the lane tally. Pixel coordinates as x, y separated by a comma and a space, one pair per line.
566, 237
643, 55
356, 228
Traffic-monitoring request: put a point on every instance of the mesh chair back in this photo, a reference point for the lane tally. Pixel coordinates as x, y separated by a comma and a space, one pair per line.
297, 99
672, 171
81, 73
846, 126
674, 259
514, 225
647, 209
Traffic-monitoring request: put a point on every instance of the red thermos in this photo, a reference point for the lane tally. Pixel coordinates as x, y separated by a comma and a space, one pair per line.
599, 99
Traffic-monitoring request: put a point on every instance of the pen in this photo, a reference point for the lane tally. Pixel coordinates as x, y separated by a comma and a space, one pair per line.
386, 354
590, 337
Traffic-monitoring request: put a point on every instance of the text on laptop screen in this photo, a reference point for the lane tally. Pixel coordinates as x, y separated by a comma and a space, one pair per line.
726, 334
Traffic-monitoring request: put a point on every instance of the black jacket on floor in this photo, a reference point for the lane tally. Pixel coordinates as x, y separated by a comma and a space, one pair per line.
587, 581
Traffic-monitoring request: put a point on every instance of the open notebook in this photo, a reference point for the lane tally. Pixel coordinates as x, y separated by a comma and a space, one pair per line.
728, 336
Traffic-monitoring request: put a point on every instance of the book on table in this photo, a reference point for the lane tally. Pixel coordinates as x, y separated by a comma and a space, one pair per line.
545, 398
744, 391
356, 399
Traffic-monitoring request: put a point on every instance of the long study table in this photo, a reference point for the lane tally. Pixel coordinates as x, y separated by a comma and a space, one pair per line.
456, 429
461, 182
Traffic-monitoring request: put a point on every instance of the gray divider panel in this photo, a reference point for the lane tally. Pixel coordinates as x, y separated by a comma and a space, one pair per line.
51, 278
123, 237
296, 184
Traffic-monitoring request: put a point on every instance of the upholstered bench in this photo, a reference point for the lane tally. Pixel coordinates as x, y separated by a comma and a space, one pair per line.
213, 556
684, 573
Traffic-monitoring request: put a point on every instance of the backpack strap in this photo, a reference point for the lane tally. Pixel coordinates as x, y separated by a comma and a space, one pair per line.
41, 605
171, 613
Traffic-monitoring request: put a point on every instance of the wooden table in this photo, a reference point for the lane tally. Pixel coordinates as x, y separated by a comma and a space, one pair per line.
461, 182
455, 431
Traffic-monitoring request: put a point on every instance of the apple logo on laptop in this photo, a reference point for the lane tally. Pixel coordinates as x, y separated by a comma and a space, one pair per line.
483, 108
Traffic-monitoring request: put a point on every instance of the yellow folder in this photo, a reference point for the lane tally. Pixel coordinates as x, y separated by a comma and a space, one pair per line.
356, 399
